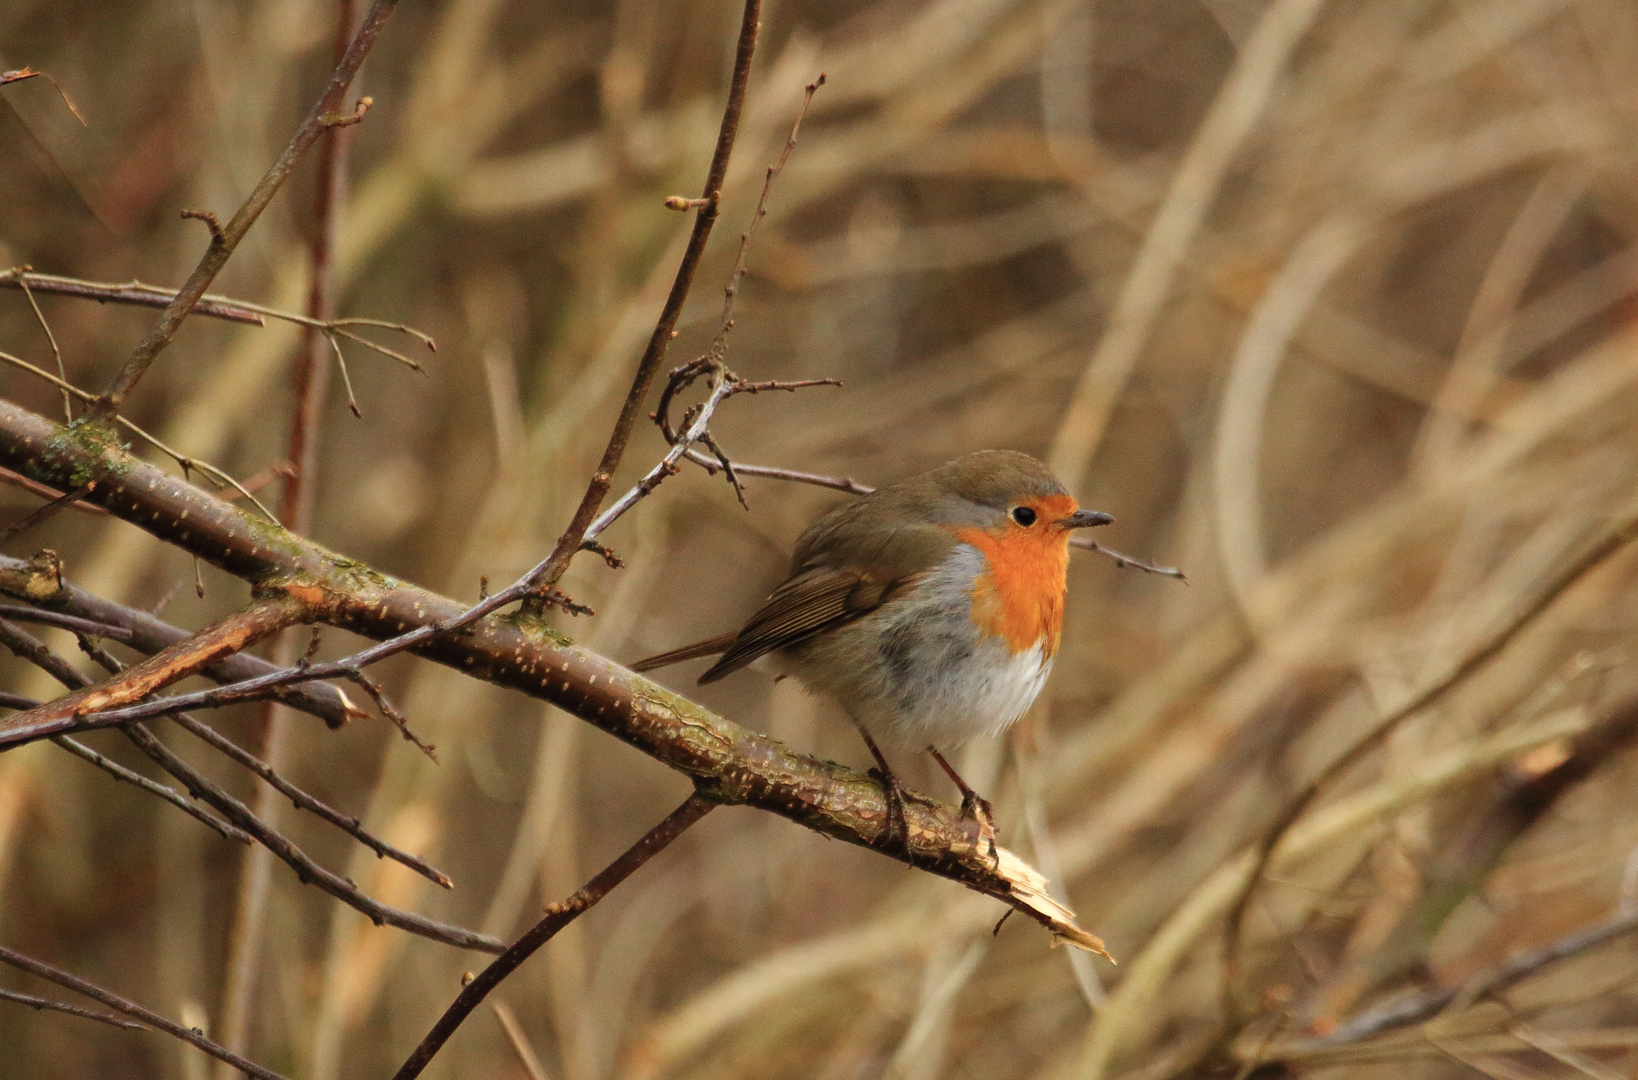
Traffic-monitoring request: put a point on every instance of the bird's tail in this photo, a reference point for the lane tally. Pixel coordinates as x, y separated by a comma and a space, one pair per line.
709, 647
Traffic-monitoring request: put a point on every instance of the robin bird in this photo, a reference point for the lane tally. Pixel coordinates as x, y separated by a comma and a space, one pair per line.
929, 609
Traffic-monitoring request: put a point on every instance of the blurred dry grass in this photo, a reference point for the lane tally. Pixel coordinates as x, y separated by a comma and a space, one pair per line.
1330, 304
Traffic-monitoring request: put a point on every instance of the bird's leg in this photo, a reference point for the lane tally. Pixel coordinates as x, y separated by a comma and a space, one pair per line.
973, 804
897, 829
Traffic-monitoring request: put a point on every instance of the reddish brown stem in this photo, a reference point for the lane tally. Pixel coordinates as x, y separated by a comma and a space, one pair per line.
222, 639
557, 917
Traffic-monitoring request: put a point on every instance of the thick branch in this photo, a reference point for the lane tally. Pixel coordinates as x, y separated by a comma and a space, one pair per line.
728, 763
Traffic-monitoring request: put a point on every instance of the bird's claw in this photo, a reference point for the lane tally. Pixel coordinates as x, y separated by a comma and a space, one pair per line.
897, 834
975, 807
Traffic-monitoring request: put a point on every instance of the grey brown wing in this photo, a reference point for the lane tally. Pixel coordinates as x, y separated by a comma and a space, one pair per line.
813, 601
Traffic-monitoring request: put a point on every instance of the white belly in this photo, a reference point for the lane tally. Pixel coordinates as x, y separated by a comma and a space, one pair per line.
919, 672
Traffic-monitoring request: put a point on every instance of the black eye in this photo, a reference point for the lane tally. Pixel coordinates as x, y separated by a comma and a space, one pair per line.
1023, 515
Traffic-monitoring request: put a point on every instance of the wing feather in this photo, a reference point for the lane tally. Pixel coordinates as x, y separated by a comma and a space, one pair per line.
818, 599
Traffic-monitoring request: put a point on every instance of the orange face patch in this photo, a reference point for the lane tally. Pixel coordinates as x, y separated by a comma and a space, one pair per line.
1020, 595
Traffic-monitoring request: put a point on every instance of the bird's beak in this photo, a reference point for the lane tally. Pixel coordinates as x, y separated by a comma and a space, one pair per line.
1085, 519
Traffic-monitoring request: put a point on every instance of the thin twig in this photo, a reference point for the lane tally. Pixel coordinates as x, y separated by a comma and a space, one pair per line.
187, 463
62, 372
72, 1010
547, 573
394, 715
29, 73
302, 800
346, 379
322, 116
170, 795
136, 293
557, 917
130, 1008
719, 346
219, 307
1123, 561
44, 513
46, 491
21, 613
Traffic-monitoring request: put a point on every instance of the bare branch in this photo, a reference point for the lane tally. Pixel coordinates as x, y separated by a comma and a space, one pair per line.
130, 292
39, 581
548, 572
557, 917
719, 347
132, 1009
302, 800
57, 353
223, 638
1123, 561
319, 119
72, 1010
35, 652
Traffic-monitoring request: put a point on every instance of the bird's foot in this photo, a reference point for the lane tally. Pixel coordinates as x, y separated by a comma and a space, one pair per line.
974, 807
897, 833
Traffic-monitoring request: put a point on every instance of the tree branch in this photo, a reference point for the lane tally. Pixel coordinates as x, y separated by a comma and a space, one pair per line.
39, 581
324, 115
130, 292
226, 637
72, 1010
557, 917
131, 1008
548, 573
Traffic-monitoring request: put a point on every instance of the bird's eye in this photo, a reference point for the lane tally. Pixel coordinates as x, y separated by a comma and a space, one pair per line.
1023, 515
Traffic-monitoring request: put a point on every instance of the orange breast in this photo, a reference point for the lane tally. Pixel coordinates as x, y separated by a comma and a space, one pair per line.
1020, 596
